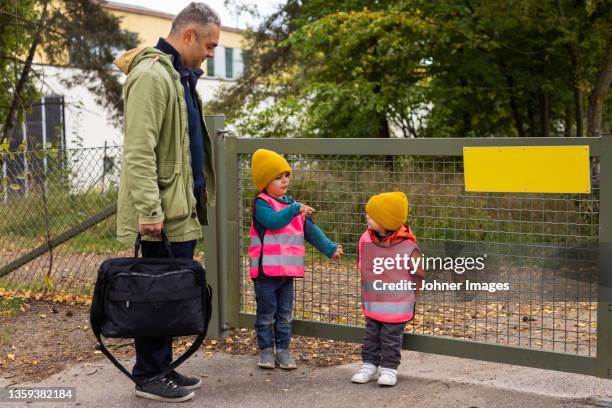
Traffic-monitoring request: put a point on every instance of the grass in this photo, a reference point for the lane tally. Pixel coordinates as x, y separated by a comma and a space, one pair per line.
9, 307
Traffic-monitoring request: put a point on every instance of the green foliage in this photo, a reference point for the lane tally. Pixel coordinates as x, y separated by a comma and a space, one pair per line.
15, 38
78, 33
90, 36
415, 68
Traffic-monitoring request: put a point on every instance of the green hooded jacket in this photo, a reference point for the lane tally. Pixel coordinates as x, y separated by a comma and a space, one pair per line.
156, 181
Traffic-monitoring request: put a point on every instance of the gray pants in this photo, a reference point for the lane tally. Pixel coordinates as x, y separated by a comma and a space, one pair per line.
382, 343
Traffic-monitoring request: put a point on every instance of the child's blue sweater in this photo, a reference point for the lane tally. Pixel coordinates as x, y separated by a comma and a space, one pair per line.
269, 219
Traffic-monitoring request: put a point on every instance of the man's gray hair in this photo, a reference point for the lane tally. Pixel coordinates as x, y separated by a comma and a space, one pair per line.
199, 13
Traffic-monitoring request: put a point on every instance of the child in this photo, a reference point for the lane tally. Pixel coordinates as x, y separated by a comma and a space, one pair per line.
386, 310
276, 254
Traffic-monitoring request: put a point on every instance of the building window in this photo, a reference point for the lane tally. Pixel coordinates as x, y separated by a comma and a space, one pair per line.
210, 67
238, 63
229, 63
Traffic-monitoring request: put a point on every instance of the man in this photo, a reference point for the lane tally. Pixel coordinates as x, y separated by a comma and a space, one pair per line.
167, 175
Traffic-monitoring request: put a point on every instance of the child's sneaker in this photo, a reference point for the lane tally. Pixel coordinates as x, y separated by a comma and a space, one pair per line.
388, 376
367, 372
266, 358
284, 359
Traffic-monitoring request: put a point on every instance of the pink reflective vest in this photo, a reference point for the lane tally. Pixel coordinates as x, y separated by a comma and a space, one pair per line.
379, 302
282, 251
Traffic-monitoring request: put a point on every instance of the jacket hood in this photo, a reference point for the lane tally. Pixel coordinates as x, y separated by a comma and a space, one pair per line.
404, 233
128, 60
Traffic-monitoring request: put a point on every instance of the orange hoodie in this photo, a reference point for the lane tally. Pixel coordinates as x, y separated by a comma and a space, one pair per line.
400, 235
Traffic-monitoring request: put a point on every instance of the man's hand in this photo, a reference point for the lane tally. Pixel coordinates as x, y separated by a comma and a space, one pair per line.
338, 254
307, 211
151, 229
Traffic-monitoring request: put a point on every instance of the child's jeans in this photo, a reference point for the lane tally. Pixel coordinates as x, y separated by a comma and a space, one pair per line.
274, 297
382, 343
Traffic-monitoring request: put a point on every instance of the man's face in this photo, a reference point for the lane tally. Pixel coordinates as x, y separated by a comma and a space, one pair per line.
199, 44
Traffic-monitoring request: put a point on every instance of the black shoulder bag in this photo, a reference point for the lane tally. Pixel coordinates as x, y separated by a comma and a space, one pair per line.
138, 297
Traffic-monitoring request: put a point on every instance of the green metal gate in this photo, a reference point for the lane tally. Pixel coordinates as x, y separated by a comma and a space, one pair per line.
554, 249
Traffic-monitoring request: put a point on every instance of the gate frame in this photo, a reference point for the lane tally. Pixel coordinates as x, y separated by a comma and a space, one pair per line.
228, 235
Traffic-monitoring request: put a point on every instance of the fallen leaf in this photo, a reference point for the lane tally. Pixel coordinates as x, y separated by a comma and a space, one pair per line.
11, 356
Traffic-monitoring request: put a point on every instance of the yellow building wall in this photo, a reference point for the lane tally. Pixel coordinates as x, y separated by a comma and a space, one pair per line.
149, 28
231, 39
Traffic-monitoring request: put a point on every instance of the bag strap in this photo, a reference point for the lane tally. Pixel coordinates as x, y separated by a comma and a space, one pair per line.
165, 241
172, 366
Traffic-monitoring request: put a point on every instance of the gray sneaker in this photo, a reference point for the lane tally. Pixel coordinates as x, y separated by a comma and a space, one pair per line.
188, 383
266, 358
165, 390
284, 359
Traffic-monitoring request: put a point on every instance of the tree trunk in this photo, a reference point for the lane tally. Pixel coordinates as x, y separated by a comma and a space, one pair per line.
518, 121
531, 115
9, 123
600, 91
579, 106
567, 130
544, 114
385, 133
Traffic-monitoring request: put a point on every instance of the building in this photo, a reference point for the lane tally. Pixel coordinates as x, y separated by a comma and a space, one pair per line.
85, 122
72, 120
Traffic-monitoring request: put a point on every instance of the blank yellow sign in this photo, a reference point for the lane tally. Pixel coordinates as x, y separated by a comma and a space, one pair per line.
527, 169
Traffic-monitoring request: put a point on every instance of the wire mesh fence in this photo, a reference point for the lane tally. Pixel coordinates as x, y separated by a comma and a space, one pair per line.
43, 195
543, 246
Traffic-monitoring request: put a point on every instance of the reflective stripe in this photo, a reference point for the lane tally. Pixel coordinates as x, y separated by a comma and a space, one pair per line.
278, 239
389, 308
279, 271
282, 250
277, 260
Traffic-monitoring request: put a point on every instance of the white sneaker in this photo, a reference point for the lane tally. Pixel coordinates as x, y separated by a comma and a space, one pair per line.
388, 376
367, 372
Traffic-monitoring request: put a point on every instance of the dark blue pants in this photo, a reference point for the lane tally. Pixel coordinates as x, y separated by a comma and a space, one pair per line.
274, 296
154, 354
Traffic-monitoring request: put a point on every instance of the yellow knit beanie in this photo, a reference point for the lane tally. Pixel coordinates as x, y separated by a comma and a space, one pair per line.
389, 210
265, 166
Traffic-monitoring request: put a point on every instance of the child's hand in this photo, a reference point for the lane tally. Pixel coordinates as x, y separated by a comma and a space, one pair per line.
306, 210
338, 254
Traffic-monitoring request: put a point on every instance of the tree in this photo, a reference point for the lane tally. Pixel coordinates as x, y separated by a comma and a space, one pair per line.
78, 32
421, 68
16, 42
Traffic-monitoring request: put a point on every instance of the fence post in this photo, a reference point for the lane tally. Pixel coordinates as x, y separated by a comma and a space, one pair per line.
233, 231
604, 298
213, 246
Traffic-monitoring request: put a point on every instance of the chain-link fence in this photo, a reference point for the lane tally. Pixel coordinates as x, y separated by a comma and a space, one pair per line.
545, 246
51, 194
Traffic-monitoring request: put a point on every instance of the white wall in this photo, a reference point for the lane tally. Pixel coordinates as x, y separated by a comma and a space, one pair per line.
87, 123
84, 117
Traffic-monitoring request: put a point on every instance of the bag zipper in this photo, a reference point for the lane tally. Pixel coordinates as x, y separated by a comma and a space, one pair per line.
149, 275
